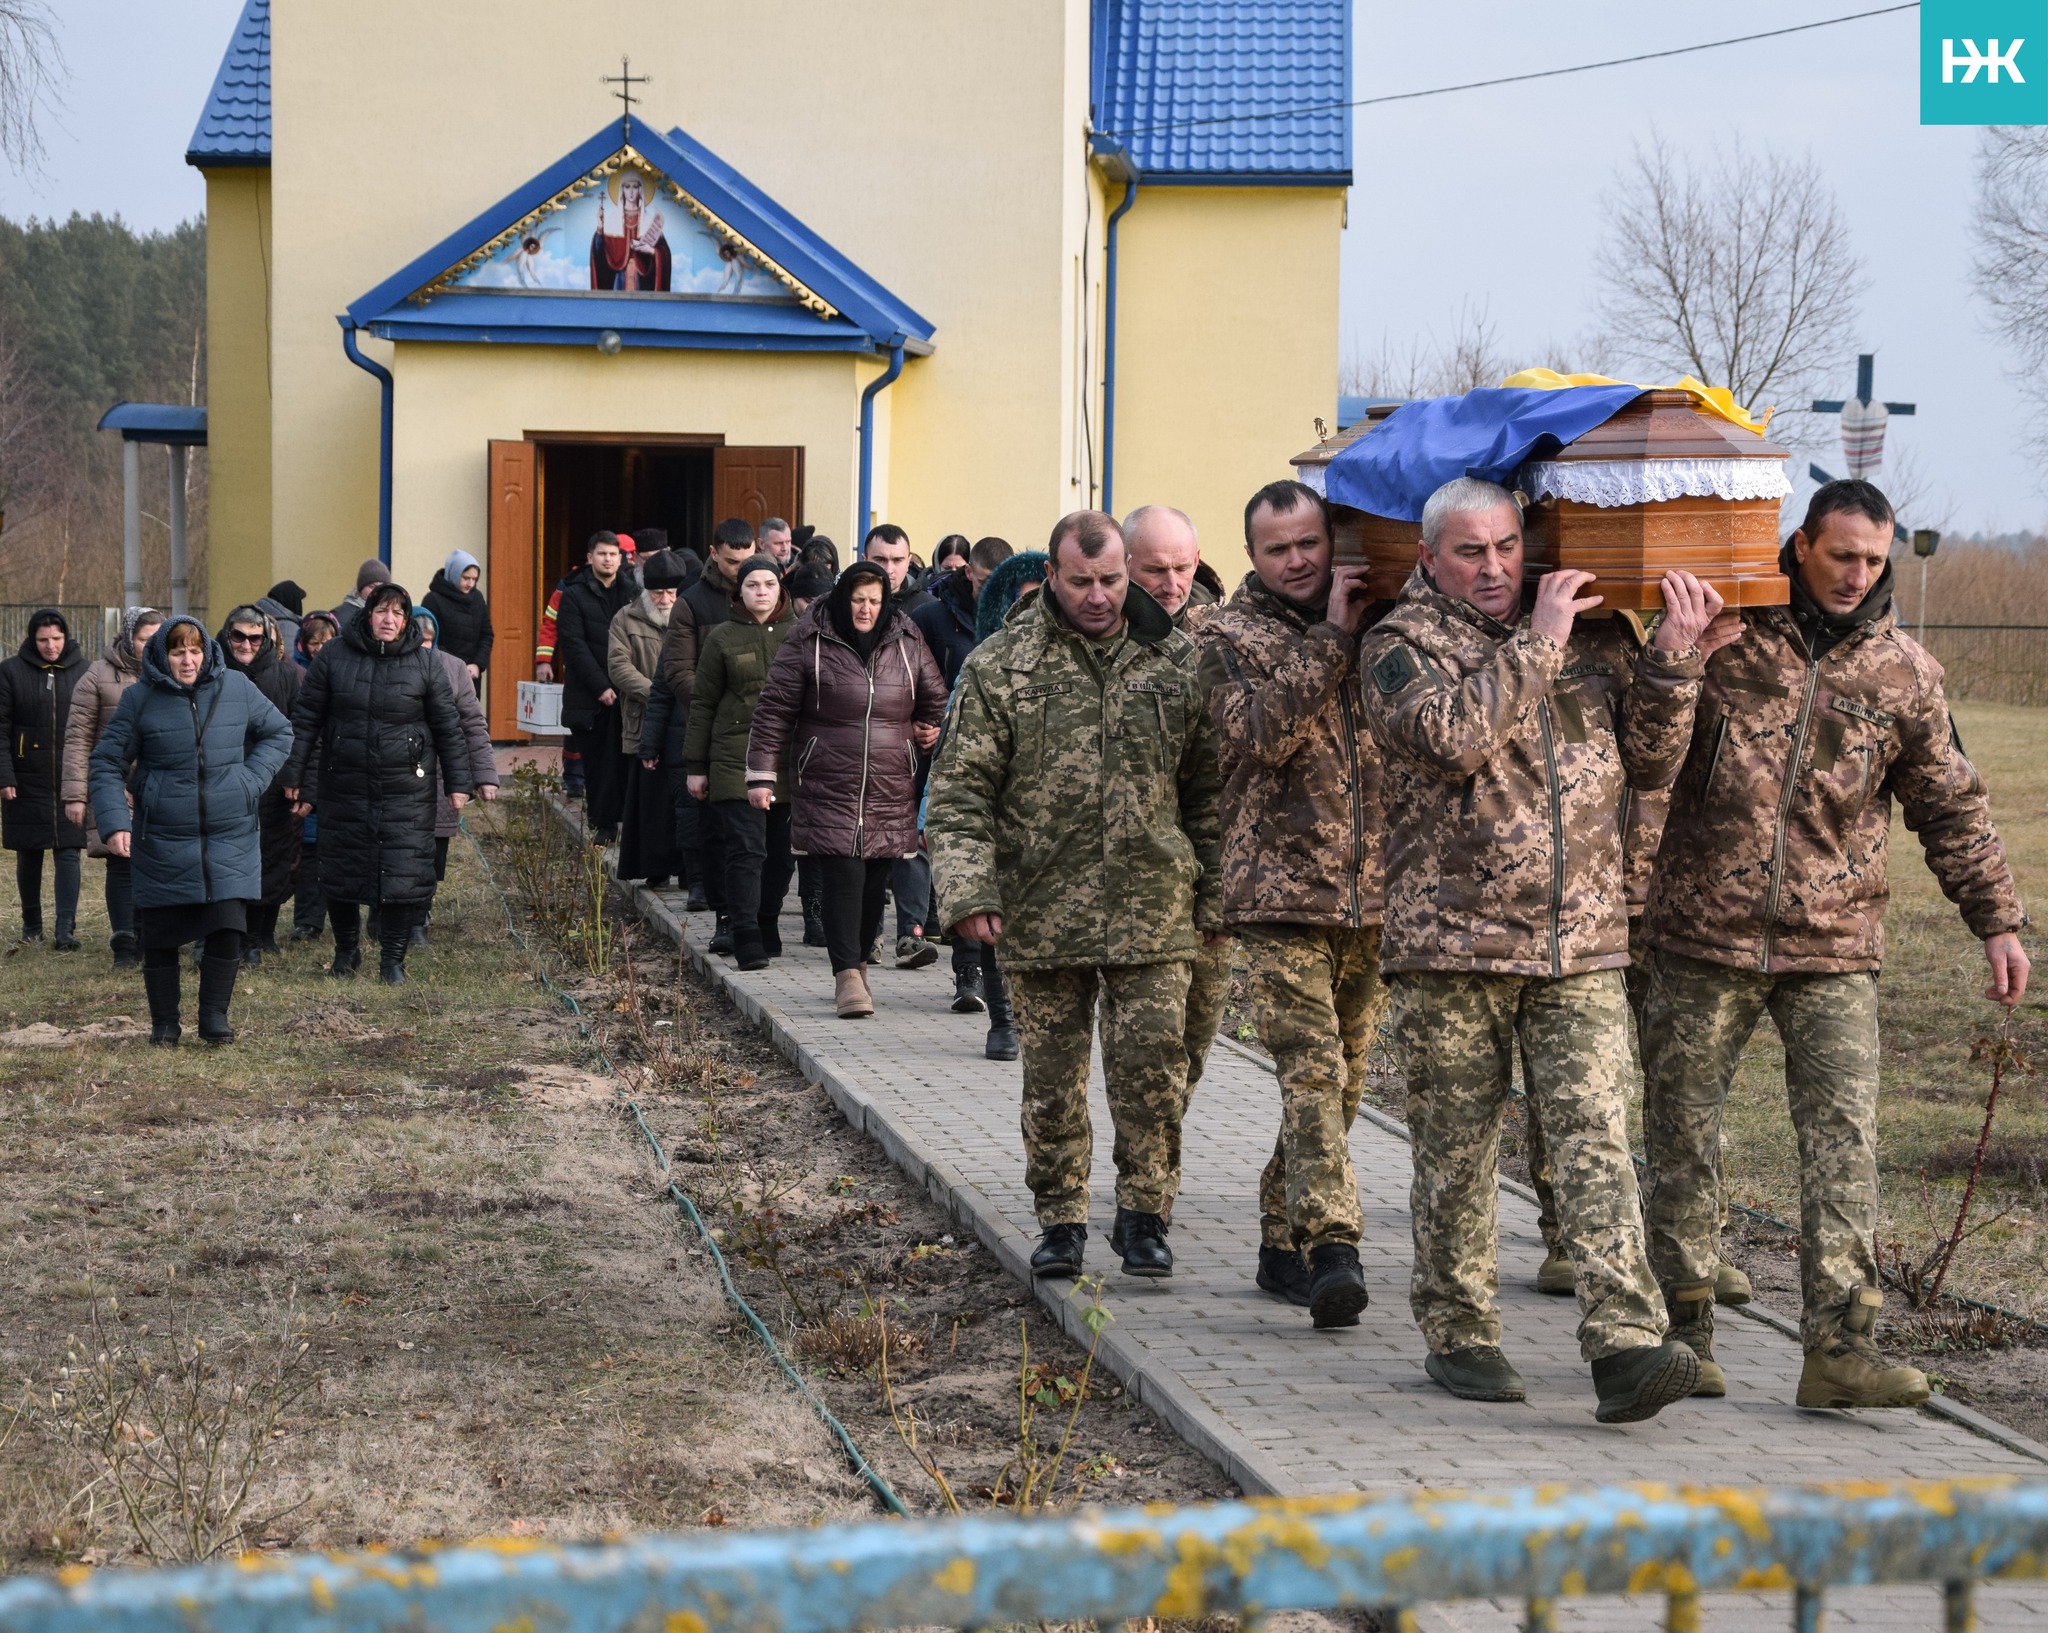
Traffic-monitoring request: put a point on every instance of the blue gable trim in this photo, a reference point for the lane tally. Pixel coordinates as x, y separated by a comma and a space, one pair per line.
867, 314
1175, 82
234, 126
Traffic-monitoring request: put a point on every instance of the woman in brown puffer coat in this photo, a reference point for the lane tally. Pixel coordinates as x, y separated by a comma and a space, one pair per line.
852, 696
92, 706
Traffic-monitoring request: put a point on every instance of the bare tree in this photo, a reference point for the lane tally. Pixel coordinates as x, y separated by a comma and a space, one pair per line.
31, 64
2011, 270
1469, 357
1739, 271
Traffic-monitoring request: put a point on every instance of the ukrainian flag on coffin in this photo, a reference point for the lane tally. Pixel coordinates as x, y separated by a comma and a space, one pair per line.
1392, 471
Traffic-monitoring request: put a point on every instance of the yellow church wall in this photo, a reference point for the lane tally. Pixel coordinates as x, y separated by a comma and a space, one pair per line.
238, 259
960, 189
453, 400
1226, 348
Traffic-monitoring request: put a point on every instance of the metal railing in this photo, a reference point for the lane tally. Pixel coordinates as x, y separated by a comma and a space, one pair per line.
1990, 663
1246, 1559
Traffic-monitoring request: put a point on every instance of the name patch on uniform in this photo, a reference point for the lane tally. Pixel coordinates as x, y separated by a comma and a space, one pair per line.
1396, 670
1579, 671
1746, 683
1862, 711
1161, 688
1026, 694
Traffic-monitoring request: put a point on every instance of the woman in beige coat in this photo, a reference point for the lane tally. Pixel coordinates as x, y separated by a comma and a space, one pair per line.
92, 706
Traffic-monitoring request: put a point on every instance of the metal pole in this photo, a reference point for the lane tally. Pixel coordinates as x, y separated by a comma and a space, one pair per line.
178, 583
131, 523
1923, 600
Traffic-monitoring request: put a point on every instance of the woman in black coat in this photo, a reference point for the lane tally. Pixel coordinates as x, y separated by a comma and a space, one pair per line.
462, 617
254, 646
35, 702
175, 781
375, 721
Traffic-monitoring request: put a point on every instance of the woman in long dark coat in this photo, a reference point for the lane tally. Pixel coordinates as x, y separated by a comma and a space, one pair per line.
254, 646
193, 746
375, 721
35, 704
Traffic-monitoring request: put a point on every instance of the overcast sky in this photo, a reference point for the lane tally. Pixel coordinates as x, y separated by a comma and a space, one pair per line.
1483, 199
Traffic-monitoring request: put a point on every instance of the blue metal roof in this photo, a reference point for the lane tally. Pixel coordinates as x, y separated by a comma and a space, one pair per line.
867, 315
157, 422
234, 126
1176, 83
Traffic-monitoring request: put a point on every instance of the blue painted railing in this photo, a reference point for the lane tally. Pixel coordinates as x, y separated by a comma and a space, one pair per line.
1247, 1559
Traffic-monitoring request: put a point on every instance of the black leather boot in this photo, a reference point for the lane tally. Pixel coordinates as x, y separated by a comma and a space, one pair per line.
67, 936
747, 949
161, 986
1002, 1022
216, 991
1141, 1239
127, 954
391, 946
348, 949
721, 937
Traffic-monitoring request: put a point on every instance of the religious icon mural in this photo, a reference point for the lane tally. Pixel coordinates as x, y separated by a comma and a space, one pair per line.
630, 235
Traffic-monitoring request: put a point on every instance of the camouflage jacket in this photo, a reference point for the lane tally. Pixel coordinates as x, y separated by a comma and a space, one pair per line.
1774, 853
1301, 776
1075, 794
1505, 759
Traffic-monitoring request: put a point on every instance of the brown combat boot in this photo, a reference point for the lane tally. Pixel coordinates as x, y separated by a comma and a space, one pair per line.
1692, 1324
850, 996
1847, 1369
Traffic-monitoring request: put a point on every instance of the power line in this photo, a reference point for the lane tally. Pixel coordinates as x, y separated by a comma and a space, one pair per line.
1515, 79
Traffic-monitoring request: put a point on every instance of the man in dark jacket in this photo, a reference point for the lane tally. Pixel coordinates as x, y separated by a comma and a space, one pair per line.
946, 618
888, 547
250, 642
590, 704
699, 610
35, 703
284, 603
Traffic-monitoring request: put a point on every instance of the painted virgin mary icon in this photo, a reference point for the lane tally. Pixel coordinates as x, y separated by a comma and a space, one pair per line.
628, 251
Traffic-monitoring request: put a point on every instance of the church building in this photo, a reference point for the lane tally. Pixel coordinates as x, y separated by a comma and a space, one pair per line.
492, 274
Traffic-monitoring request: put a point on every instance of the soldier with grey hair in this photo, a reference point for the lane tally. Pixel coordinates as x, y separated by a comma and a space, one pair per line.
1072, 825
1508, 739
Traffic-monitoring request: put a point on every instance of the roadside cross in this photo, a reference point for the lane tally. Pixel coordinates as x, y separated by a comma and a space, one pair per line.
1863, 420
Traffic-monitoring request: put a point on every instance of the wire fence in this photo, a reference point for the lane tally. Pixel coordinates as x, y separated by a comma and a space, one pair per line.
1991, 663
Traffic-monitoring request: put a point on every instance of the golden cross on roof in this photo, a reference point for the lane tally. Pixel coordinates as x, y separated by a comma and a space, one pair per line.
626, 79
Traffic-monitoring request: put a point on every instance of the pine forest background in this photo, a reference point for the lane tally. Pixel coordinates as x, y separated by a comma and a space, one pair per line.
92, 312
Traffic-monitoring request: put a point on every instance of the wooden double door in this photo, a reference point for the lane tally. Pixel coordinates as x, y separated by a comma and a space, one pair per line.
548, 493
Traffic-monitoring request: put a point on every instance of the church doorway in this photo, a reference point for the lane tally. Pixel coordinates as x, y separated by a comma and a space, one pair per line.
551, 490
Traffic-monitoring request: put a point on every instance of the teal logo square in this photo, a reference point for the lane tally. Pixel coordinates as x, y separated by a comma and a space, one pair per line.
1984, 62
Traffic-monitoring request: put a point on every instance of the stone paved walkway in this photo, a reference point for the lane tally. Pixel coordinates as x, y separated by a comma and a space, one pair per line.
1286, 1409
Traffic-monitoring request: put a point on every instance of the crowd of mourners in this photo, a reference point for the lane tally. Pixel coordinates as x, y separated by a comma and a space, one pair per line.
1559, 851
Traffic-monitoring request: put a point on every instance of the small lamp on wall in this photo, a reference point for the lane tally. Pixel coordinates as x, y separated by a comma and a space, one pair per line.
609, 343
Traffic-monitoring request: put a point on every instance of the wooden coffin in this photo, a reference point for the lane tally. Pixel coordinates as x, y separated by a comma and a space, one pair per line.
1731, 543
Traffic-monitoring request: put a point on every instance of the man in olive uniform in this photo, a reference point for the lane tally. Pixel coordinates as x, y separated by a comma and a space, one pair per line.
1507, 744
1164, 553
1301, 876
1770, 896
1072, 825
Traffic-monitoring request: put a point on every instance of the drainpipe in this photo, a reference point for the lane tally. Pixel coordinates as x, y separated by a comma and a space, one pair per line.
863, 519
1109, 343
371, 366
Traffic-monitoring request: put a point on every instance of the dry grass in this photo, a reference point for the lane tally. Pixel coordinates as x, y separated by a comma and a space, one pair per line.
505, 1331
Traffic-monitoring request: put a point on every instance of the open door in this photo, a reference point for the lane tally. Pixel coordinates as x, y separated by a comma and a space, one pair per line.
515, 599
757, 483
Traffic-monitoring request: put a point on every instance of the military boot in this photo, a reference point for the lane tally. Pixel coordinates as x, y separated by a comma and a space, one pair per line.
1480, 1373
1692, 1323
1003, 1043
1636, 1384
1555, 1274
1846, 1368
1141, 1239
1059, 1251
1283, 1272
1336, 1285
1731, 1286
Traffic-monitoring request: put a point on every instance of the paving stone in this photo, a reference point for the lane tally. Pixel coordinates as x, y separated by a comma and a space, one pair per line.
1251, 1384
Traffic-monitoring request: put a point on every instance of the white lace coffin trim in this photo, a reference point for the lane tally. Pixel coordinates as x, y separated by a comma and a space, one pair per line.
1614, 482
1314, 476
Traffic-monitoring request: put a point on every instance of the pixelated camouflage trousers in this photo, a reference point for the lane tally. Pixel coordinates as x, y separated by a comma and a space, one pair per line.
1317, 1000
1208, 990
1456, 1034
1143, 1023
1696, 1021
